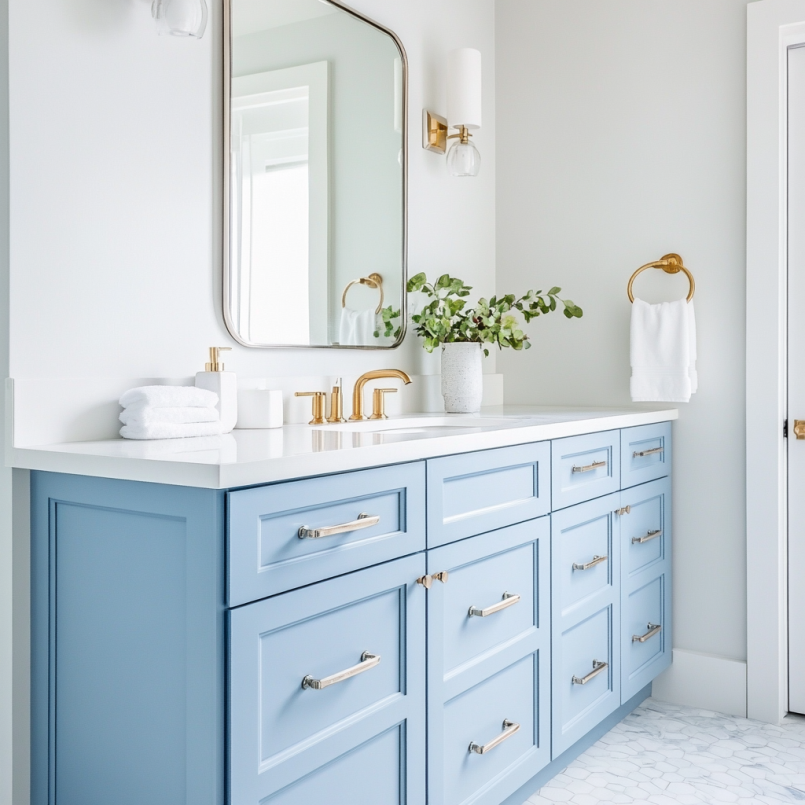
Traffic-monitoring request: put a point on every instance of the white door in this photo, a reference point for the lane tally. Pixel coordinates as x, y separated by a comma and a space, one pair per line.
796, 378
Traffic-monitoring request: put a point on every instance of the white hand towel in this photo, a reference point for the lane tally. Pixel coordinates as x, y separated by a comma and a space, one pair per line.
167, 430
663, 351
357, 328
146, 415
170, 397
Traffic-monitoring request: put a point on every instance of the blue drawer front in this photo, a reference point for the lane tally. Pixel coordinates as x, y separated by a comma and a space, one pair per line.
267, 556
288, 742
477, 492
585, 617
645, 453
585, 467
484, 669
646, 584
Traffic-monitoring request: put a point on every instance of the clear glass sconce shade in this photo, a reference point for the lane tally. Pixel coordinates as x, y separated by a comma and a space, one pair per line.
180, 17
463, 159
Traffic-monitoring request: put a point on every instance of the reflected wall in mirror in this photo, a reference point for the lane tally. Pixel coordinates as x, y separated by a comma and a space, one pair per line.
315, 184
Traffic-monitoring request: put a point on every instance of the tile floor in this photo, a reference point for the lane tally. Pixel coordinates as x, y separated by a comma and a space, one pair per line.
669, 755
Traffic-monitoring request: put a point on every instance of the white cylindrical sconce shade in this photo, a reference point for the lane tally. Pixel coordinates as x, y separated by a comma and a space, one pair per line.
464, 88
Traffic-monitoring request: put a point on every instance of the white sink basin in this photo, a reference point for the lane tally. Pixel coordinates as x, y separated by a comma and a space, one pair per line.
420, 424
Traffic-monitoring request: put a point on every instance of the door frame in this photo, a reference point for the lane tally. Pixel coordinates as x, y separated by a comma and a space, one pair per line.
773, 27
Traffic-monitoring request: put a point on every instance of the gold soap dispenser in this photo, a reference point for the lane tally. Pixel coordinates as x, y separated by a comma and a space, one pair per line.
337, 404
224, 384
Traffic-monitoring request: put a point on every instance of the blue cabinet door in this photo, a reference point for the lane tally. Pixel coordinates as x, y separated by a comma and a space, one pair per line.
302, 730
585, 467
488, 664
645, 453
585, 572
645, 585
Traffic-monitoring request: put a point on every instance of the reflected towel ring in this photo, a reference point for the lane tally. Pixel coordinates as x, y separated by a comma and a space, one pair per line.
670, 264
373, 281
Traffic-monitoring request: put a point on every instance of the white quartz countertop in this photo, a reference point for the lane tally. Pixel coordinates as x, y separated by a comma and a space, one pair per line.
248, 457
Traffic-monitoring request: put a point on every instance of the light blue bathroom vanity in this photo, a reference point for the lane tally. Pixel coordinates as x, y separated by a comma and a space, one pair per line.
450, 629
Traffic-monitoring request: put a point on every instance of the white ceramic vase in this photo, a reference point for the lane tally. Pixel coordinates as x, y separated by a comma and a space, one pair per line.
462, 378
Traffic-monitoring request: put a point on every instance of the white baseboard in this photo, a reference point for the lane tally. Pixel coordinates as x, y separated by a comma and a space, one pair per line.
705, 681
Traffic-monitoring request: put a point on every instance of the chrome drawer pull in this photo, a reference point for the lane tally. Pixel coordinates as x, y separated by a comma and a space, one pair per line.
596, 560
509, 600
367, 661
649, 536
509, 728
596, 465
648, 452
598, 667
363, 521
653, 629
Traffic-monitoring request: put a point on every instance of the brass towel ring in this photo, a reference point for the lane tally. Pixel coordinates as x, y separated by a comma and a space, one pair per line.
373, 281
670, 264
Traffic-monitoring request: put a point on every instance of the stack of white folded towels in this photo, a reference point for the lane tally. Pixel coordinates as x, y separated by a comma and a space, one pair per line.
169, 412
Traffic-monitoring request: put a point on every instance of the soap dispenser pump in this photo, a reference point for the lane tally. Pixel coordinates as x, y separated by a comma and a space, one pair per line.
224, 384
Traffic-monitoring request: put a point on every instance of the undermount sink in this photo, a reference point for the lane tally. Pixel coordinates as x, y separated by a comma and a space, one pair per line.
420, 424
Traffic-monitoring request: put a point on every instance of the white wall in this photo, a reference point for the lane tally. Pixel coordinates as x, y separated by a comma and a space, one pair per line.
621, 138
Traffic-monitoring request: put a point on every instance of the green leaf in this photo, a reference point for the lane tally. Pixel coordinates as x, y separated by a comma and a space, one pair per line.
555, 290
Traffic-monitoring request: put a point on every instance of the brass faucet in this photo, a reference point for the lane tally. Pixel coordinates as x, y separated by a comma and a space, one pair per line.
377, 374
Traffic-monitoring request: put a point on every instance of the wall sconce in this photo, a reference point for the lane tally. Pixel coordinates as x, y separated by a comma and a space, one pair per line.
180, 17
463, 113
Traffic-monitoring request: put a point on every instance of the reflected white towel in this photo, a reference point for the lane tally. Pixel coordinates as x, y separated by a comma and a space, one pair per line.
146, 415
168, 430
169, 397
663, 352
357, 328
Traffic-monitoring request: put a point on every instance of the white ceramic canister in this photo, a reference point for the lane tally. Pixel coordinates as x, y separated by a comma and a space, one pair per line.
462, 377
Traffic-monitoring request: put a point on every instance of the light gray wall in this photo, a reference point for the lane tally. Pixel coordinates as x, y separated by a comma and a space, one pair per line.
622, 137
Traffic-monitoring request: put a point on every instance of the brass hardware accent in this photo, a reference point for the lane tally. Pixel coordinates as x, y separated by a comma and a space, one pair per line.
363, 521
367, 662
434, 132
596, 560
377, 374
319, 398
463, 135
624, 510
379, 403
215, 364
596, 465
651, 535
799, 428
509, 600
425, 581
670, 264
509, 728
442, 576
653, 629
336, 404
598, 667
643, 453
373, 281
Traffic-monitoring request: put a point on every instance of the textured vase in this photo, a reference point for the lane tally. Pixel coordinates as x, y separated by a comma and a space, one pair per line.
462, 378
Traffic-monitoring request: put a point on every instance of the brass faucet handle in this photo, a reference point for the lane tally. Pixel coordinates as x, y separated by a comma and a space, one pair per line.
319, 398
379, 403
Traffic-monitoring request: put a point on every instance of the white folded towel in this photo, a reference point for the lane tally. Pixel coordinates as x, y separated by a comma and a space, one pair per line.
146, 415
168, 430
663, 351
169, 397
358, 328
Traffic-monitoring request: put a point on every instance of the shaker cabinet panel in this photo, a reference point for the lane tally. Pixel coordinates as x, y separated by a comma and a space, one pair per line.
585, 467
474, 493
645, 453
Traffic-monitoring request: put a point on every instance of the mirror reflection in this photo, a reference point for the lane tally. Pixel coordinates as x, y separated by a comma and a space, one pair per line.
316, 177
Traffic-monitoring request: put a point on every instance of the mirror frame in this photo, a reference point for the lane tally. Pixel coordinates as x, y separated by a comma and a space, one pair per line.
227, 268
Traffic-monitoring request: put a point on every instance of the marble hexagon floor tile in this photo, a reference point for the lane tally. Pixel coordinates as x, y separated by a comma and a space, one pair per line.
665, 754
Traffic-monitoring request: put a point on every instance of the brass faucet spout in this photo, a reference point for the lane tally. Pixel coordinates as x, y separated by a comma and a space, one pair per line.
377, 374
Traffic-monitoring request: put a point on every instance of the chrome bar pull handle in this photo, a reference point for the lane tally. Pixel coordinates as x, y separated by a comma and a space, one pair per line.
598, 668
509, 600
651, 535
653, 629
363, 521
509, 728
367, 662
596, 560
596, 465
651, 452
